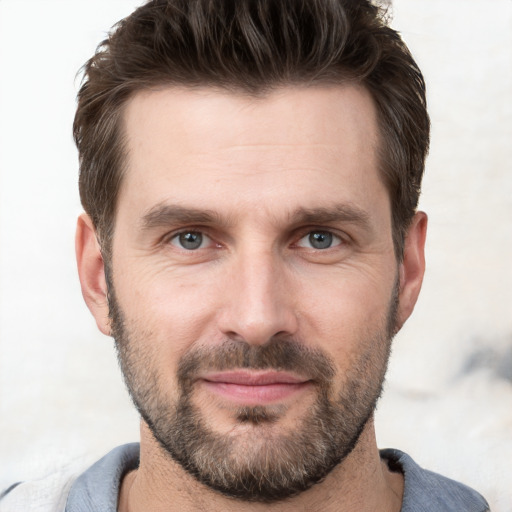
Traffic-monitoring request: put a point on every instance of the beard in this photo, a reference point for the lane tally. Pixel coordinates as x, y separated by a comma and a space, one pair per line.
257, 460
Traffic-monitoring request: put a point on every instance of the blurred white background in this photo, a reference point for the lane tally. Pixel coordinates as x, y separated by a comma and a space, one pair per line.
449, 394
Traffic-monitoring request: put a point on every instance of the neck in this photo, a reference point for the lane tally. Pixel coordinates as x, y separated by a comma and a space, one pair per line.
361, 482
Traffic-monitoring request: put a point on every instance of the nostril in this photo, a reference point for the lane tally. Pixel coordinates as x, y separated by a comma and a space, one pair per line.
257, 332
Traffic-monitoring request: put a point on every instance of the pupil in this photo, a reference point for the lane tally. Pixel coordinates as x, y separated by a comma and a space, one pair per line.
320, 240
191, 240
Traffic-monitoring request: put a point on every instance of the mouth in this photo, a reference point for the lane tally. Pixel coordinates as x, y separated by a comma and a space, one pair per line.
244, 387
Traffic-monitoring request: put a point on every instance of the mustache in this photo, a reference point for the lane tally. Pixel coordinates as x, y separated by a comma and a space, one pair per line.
277, 354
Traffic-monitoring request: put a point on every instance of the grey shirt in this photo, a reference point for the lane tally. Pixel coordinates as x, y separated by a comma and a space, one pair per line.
97, 489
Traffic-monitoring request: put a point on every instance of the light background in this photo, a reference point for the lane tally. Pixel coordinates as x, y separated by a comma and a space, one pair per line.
449, 393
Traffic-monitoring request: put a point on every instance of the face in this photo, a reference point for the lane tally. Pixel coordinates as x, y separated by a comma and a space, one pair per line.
253, 285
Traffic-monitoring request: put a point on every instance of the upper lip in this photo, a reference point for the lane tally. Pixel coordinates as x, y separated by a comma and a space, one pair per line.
254, 377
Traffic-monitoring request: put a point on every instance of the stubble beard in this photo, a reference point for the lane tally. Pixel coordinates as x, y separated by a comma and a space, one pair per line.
257, 461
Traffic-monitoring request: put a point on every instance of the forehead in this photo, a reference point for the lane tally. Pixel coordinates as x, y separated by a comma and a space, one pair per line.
200, 144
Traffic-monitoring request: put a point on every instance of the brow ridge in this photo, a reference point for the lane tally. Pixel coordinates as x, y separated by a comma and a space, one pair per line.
167, 214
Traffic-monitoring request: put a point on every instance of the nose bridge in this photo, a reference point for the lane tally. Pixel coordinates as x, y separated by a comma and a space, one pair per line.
258, 304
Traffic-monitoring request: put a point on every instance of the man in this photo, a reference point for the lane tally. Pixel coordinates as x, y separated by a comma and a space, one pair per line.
250, 173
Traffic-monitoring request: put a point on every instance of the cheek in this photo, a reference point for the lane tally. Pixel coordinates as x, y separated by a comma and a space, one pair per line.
177, 311
345, 315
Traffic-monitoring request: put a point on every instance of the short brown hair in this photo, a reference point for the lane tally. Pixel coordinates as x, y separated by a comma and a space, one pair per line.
252, 46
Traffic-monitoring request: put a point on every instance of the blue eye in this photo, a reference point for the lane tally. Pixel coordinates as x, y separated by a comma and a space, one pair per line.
189, 240
319, 240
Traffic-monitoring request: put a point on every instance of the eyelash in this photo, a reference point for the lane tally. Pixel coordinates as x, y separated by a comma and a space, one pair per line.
175, 236
323, 232
336, 238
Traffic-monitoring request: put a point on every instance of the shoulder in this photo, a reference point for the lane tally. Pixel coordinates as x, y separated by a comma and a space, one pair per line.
74, 489
98, 487
425, 491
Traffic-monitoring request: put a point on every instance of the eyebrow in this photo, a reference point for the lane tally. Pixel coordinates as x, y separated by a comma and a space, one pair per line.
166, 214
163, 215
348, 212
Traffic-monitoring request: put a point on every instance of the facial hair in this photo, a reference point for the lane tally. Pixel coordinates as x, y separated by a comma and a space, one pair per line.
263, 463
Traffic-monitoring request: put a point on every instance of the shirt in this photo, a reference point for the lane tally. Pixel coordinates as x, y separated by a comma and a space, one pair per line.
97, 488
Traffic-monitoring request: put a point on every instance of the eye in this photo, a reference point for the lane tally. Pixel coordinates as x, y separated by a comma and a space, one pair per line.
190, 240
319, 240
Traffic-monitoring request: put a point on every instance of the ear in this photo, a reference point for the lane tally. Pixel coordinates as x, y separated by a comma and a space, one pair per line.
91, 271
412, 268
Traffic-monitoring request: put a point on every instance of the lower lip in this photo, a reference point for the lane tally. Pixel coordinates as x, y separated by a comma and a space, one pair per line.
255, 395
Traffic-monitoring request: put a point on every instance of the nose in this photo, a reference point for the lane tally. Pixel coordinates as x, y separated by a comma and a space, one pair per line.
258, 300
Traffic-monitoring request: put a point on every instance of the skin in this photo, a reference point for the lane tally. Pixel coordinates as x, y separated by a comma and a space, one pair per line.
256, 163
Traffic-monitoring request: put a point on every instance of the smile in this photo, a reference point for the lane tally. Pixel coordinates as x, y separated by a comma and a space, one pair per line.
254, 388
